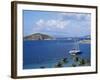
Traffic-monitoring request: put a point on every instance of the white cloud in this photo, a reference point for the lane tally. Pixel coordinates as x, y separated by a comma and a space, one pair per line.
52, 23
65, 23
40, 22
63, 19
76, 16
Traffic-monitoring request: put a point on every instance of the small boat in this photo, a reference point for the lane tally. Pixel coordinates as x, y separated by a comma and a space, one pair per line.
74, 52
76, 49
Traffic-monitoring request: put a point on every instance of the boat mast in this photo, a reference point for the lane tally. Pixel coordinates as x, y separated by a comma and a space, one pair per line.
76, 44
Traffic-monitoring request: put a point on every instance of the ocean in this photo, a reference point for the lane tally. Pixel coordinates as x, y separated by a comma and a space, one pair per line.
47, 53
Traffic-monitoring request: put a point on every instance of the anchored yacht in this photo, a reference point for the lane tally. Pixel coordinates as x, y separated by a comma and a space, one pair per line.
76, 49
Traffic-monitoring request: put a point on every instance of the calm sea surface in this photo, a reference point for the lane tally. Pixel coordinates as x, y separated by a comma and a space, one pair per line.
47, 53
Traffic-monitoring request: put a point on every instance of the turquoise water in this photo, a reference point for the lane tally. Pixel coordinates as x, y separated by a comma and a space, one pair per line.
47, 53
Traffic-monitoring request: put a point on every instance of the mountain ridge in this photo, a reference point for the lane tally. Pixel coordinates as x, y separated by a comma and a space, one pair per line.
38, 36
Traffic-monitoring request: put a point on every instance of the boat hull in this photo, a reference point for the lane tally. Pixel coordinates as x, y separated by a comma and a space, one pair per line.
75, 52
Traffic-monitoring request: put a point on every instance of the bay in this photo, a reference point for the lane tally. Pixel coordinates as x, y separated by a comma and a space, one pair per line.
48, 53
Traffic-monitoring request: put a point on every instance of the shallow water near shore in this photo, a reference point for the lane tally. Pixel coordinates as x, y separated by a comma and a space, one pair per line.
48, 53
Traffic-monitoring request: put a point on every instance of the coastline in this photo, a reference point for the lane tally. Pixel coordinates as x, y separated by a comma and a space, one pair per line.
85, 41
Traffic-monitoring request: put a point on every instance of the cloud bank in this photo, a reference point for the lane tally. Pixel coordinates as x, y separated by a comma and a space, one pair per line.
65, 23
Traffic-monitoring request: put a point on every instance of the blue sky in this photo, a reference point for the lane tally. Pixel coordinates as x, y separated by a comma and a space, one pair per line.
58, 24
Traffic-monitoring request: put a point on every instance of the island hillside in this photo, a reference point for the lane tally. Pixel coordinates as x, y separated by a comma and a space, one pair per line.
38, 36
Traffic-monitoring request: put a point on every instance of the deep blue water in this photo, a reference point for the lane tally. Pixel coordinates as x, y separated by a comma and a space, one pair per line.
48, 52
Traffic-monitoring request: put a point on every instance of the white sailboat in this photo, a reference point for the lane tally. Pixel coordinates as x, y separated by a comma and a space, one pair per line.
76, 49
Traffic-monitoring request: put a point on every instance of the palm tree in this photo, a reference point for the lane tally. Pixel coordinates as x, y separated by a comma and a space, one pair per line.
73, 65
82, 62
42, 67
65, 60
59, 64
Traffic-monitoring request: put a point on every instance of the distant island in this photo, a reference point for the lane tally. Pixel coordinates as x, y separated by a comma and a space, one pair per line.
38, 36
86, 40
41, 36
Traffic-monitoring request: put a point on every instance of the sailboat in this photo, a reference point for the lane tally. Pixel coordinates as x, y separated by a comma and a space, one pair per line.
76, 49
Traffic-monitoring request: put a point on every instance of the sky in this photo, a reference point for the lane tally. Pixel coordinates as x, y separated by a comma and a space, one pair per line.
56, 24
